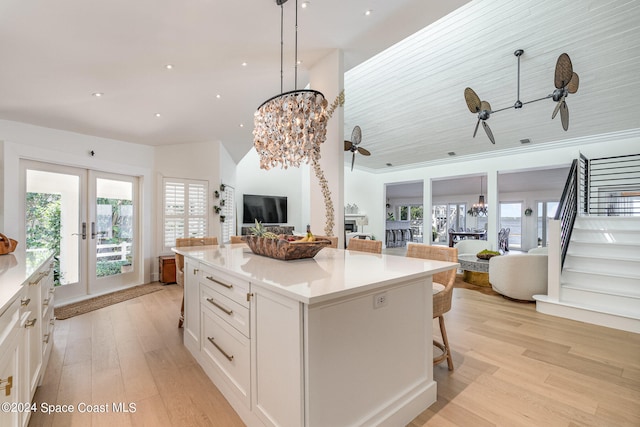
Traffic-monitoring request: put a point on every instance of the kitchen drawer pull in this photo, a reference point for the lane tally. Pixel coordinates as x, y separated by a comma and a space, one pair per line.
25, 302
220, 306
30, 323
35, 282
46, 302
9, 386
52, 321
229, 358
52, 290
219, 283
46, 338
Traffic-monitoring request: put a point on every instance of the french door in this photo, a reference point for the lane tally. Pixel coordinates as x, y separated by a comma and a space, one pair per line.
90, 220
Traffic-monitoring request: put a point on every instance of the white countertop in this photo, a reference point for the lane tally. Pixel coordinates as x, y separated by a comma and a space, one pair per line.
15, 269
332, 273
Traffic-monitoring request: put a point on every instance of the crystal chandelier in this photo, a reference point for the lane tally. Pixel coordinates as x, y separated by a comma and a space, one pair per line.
479, 209
289, 127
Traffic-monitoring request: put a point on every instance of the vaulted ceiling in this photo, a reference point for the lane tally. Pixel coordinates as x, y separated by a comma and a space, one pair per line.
408, 99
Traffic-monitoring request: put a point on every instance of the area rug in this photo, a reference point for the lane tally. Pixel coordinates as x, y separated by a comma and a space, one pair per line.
81, 307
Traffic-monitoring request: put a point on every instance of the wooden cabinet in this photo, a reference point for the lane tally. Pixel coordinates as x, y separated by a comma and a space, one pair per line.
167, 269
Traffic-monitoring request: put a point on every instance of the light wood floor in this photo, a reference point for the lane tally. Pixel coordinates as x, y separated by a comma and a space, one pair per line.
514, 367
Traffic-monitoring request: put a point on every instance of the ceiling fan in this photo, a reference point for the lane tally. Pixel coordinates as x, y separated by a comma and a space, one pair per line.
483, 108
565, 81
356, 138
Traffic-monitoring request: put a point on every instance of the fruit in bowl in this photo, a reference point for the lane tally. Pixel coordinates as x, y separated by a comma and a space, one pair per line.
486, 254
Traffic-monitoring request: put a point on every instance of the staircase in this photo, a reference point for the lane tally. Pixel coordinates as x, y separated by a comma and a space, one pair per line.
600, 279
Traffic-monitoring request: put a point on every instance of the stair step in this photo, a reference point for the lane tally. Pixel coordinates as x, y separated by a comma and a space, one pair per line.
608, 250
623, 237
620, 284
622, 305
608, 223
603, 265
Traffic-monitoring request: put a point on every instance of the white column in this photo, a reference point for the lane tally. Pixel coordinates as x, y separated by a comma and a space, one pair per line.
493, 222
327, 76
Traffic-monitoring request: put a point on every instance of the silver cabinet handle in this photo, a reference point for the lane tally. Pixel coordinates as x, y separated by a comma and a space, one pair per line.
46, 338
25, 302
30, 323
224, 353
220, 306
219, 283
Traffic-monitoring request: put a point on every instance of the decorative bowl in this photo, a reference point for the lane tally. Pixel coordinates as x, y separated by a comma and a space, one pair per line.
284, 249
486, 255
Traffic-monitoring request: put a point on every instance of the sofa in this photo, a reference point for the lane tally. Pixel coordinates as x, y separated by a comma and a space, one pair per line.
472, 246
519, 276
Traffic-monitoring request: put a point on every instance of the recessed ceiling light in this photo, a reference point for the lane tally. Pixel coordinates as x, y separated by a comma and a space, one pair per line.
158, 114
305, 4
241, 125
368, 12
451, 153
97, 94
244, 64
169, 67
218, 96
299, 62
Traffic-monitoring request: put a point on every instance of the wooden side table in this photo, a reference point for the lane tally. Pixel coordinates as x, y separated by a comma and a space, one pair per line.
167, 269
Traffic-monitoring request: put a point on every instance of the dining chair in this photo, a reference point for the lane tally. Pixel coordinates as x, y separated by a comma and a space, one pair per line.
237, 239
332, 239
442, 291
184, 242
365, 245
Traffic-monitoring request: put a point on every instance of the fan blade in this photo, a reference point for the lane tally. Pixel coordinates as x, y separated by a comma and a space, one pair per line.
564, 115
363, 151
356, 135
488, 131
476, 131
485, 106
564, 71
473, 101
353, 160
572, 87
347, 145
555, 110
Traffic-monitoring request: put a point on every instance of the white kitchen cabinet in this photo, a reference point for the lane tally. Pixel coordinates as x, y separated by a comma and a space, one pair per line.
340, 339
191, 305
9, 365
26, 318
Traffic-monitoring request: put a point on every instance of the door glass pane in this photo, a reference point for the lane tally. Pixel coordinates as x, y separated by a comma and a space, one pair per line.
52, 213
114, 227
511, 218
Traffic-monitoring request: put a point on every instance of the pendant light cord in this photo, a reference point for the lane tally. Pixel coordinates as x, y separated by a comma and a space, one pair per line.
281, 46
296, 47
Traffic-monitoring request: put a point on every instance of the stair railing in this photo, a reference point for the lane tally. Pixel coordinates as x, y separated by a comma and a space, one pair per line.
568, 209
612, 186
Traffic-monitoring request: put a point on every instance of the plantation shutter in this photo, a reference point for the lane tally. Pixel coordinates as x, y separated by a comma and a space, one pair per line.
185, 209
228, 210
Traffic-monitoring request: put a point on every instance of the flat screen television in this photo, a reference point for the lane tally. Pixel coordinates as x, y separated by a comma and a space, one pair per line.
266, 209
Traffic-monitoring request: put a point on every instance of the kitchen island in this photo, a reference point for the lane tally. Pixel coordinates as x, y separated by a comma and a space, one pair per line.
344, 338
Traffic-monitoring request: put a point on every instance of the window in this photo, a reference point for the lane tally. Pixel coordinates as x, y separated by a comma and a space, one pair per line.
511, 218
185, 209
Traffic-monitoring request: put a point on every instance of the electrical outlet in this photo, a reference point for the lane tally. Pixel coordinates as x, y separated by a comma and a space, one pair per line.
380, 300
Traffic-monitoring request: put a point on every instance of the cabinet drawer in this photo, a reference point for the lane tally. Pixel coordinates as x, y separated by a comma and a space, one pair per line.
228, 310
226, 284
9, 319
229, 351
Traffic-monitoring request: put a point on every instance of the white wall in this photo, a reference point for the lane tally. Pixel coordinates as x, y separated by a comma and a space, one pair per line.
199, 161
289, 182
23, 141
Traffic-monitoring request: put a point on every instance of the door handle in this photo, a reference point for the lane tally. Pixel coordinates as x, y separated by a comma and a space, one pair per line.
93, 230
84, 232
